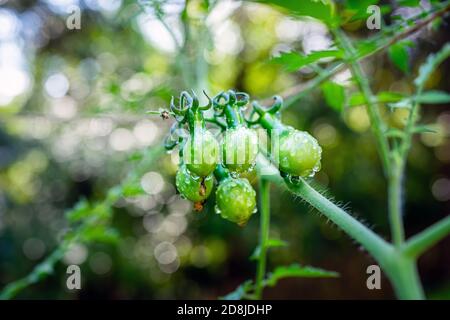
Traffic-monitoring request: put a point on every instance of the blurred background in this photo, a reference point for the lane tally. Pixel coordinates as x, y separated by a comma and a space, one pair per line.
73, 116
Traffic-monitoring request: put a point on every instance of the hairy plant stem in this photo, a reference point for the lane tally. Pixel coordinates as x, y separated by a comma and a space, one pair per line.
399, 267
264, 198
374, 244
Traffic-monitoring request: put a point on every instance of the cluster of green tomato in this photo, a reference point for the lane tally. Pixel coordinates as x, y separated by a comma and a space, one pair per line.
204, 159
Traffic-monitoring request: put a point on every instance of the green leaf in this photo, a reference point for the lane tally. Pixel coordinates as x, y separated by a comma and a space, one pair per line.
135, 156
398, 53
239, 292
100, 233
431, 64
293, 61
334, 95
322, 10
433, 97
132, 190
366, 47
409, 3
271, 243
427, 97
298, 271
80, 211
357, 98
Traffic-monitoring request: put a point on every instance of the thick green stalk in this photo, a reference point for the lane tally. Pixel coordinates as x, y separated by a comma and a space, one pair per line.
402, 272
264, 194
400, 268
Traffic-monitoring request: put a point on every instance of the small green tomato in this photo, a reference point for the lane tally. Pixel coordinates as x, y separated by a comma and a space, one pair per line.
192, 187
236, 200
299, 154
201, 153
239, 150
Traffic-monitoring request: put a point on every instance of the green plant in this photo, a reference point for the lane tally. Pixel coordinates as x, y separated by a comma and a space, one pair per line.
398, 257
299, 155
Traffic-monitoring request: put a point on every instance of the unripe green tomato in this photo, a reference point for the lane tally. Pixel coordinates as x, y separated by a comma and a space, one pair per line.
236, 200
201, 153
193, 187
299, 154
239, 149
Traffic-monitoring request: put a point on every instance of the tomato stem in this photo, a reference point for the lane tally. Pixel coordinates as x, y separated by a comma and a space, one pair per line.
264, 202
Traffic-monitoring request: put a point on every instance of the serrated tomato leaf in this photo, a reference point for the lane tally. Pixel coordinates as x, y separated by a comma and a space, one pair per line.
357, 98
399, 55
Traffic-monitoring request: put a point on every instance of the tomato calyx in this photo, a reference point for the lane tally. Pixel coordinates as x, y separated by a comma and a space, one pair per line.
230, 104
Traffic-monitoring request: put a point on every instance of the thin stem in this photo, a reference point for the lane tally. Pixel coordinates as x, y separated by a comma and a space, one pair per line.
395, 203
393, 165
421, 242
264, 194
411, 121
361, 79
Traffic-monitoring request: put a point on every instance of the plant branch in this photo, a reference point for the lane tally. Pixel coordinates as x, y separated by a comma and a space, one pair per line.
393, 166
362, 81
297, 92
424, 240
